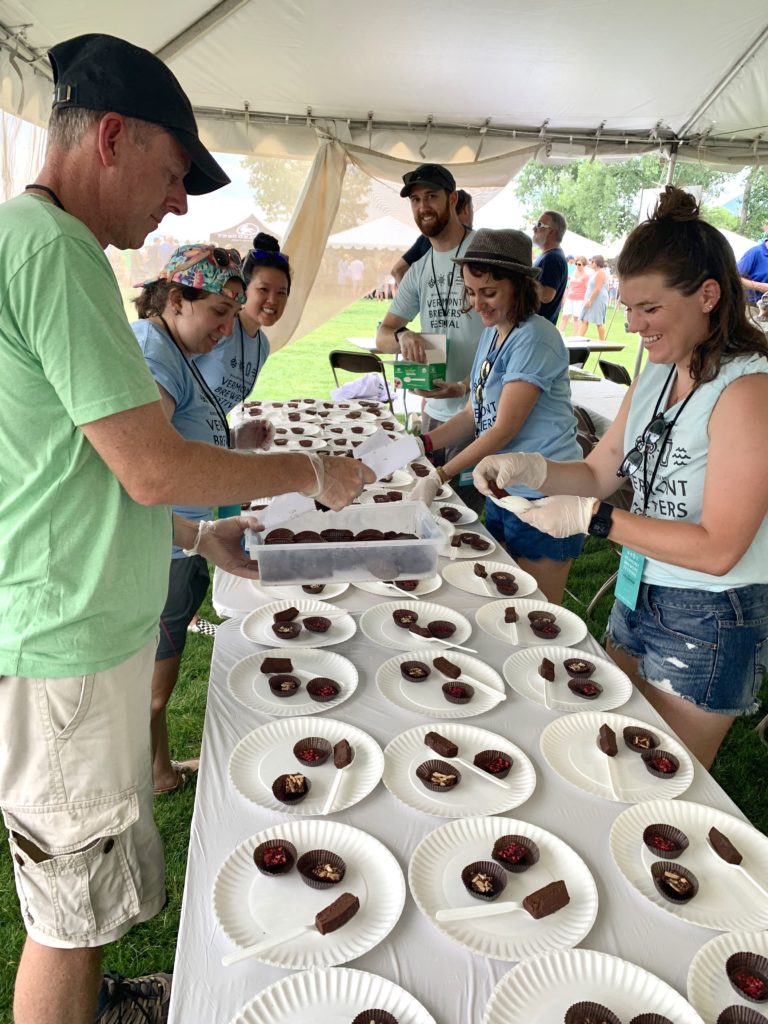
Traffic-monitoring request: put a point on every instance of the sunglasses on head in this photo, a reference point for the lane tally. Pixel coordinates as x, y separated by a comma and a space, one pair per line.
223, 258
655, 432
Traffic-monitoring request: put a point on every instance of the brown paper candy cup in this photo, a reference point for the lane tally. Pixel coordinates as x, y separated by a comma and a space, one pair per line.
485, 867
275, 683
516, 867
279, 791
425, 770
651, 1018
753, 966
276, 869
740, 1015
312, 859
486, 757
314, 686
648, 758
657, 872
375, 1017
320, 746
454, 698
579, 1013
671, 835
577, 686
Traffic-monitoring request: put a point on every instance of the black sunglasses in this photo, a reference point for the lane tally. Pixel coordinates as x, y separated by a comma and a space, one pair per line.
654, 433
226, 257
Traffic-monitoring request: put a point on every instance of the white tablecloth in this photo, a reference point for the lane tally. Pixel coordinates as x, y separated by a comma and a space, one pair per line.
601, 398
453, 984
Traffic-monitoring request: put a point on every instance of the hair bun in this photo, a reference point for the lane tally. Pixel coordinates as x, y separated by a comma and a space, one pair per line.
266, 242
675, 204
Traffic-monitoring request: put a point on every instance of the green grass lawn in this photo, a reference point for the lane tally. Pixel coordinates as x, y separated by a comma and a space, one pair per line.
302, 368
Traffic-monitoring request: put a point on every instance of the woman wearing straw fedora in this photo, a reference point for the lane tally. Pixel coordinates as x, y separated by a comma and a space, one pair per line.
520, 398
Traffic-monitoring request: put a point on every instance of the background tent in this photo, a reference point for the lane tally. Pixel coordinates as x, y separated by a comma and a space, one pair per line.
481, 88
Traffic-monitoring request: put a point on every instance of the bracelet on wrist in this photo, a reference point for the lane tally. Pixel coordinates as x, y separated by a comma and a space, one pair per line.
442, 476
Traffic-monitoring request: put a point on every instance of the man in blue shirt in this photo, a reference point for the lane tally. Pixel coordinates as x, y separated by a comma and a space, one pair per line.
548, 232
753, 270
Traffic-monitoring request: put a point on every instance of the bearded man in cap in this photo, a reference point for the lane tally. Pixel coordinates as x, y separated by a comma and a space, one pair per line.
433, 289
90, 465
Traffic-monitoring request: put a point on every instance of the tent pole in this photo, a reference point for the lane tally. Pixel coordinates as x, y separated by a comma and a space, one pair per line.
671, 167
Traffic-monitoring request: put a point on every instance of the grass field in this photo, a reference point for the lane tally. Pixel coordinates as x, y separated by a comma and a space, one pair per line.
302, 367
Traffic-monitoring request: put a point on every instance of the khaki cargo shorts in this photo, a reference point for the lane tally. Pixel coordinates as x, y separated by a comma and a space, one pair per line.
76, 797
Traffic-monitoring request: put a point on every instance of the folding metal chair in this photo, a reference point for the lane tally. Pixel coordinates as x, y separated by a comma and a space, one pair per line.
359, 362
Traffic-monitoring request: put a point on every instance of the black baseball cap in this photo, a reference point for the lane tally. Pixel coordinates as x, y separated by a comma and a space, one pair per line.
428, 174
101, 72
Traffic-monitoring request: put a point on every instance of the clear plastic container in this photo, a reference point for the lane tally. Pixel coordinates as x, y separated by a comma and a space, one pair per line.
354, 560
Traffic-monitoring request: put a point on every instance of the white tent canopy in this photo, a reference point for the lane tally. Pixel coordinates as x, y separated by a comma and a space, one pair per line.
483, 88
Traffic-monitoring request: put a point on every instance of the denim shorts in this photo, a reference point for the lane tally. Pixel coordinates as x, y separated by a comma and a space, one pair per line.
188, 581
710, 648
524, 541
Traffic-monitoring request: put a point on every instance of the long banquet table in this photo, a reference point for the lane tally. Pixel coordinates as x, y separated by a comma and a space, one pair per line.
453, 984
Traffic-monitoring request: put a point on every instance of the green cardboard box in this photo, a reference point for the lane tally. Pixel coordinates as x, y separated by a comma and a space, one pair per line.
420, 375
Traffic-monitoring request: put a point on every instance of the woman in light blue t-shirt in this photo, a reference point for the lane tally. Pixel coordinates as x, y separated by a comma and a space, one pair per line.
690, 623
520, 398
232, 368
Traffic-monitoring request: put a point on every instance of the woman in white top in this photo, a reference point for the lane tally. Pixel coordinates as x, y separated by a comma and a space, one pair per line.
690, 623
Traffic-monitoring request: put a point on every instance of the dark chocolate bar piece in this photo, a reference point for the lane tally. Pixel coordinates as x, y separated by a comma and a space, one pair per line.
547, 670
547, 900
447, 668
723, 847
342, 754
276, 666
286, 615
337, 914
606, 741
441, 745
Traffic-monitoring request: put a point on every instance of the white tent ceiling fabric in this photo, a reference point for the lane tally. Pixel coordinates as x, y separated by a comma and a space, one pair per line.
481, 88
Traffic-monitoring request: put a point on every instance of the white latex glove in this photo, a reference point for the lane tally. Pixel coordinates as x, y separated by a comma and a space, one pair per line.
219, 543
254, 434
561, 515
426, 489
338, 480
420, 442
508, 470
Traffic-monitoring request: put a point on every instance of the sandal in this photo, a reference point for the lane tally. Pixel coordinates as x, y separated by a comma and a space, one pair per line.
185, 772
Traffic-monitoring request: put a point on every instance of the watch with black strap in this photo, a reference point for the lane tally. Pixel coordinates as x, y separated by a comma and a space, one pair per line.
601, 522
398, 331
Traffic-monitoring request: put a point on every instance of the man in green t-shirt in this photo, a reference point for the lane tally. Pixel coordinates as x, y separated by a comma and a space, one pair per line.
89, 466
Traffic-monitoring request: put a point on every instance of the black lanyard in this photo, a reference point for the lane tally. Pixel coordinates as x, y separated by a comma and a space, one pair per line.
444, 305
207, 393
490, 363
647, 490
48, 192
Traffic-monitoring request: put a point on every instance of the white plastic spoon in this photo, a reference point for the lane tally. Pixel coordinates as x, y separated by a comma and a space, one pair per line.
738, 867
265, 944
336, 785
481, 910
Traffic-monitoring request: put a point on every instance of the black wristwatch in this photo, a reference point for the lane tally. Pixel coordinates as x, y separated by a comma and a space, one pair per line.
398, 331
600, 523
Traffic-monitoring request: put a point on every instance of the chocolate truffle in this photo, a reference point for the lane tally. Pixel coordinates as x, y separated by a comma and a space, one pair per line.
313, 588
441, 628
320, 869
407, 585
307, 537
547, 900
495, 762
286, 630
439, 776
442, 746
404, 617
606, 741
337, 914
317, 624
586, 688
484, 880
590, 1013
540, 616
375, 1017
290, 789
545, 630
665, 840
337, 536
675, 883
480, 544
660, 763
274, 856
748, 975
496, 491
369, 535
450, 514
419, 469
651, 1018
515, 853
414, 671
723, 847
284, 685
446, 668
639, 739
279, 536
578, 667
740, 1015
458, 693
312, 751
321, 689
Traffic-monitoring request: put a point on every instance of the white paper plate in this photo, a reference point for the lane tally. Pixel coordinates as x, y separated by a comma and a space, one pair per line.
293, 592
250, 906
468, 515
250, 685
307, 429
709, 990
267, 752
490, 618
434, 878
427, 697
427, 586
366, 498
521, 670
462, 575
542, 989
318, 444
257, 625
473, 795
342, 416
569, 746
726, 901
465, 551
333, 996
378, 625
401, 479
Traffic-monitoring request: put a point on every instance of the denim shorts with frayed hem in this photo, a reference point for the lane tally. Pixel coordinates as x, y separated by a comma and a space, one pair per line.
710, 648
524, 541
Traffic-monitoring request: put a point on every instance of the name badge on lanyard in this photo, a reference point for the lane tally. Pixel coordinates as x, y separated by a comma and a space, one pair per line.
629, 578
